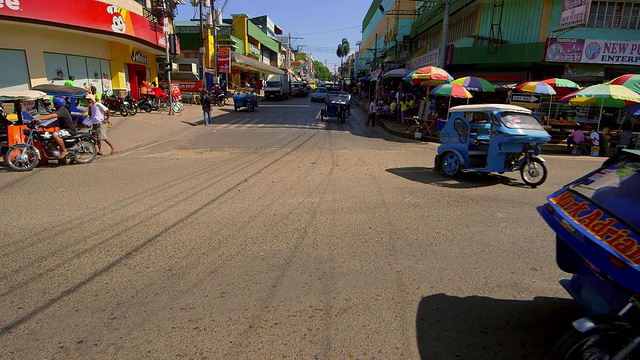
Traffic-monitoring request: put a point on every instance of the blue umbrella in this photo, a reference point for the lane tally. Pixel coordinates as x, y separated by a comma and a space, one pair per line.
633, 110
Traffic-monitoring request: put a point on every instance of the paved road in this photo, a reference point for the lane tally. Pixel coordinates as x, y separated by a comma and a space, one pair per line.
275, 235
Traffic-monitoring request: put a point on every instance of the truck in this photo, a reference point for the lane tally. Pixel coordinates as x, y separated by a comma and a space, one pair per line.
278, 86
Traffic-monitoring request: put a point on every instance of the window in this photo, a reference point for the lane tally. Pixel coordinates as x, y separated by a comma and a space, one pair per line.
613, 15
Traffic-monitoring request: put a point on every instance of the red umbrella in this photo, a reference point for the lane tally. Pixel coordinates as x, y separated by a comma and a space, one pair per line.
630, 81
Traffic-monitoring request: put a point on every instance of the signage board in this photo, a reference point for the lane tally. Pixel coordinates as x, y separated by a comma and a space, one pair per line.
574, 13
224, 60
593, 51
524, 98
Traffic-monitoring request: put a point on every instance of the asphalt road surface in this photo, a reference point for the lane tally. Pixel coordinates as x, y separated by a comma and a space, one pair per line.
275, 235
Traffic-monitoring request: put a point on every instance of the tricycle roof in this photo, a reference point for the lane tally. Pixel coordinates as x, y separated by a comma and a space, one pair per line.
8, 95
489, 107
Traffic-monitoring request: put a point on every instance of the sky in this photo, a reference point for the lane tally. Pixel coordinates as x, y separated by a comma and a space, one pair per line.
320, 25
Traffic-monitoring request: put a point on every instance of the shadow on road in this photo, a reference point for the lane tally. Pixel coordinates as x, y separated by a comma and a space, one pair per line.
476, 327
464, 180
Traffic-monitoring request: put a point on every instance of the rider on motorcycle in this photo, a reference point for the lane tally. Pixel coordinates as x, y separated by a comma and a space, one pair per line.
65, 124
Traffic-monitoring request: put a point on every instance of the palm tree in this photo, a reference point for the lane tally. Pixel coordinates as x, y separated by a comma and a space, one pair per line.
343, 50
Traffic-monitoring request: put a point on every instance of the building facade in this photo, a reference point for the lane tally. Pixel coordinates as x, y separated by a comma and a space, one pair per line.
112, 46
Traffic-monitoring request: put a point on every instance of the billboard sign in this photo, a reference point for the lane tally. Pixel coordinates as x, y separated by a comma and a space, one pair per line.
593, 51
224, 60
574, 13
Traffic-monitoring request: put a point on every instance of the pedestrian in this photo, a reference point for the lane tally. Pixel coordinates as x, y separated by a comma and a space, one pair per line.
576, 137
373, 110
70, 81
100, 120
404, 105
206, 107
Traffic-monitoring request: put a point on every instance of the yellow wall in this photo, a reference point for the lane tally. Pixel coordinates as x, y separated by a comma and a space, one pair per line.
37, 41
240, 29
120, 56
545, 18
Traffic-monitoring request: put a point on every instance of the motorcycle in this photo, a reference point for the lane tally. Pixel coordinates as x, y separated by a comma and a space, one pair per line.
131, 104
115, 104
25, 156
598, 243
220, 100
158, 100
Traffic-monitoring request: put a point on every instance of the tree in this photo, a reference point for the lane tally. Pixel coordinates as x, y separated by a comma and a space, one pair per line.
343, 50
322, 72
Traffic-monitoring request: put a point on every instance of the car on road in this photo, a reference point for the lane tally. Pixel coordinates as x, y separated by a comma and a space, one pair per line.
319, 94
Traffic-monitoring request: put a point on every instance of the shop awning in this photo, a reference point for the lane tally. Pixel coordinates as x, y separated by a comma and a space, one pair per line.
245, 62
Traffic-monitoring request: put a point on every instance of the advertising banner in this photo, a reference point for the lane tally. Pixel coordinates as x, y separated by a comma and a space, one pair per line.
430, 59
224, 60
188, 86
574, 13
94, 15
590, 51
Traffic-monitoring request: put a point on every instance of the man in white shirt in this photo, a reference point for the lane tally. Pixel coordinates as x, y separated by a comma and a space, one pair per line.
100, 116
373, 110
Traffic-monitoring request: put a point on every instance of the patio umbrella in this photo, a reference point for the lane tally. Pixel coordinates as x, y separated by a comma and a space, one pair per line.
451, 90
603, 95
429, 74
560, 83
473, 83
630, 81
538, 87
395, 73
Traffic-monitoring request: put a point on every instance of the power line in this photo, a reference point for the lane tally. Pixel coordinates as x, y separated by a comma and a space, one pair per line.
328, 31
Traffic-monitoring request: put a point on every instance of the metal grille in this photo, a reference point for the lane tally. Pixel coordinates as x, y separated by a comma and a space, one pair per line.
614, 15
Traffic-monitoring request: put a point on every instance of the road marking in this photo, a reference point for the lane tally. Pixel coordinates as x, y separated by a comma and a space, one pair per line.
143, 120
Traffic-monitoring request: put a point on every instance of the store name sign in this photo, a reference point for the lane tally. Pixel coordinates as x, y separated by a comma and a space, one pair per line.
137, 56
10, 4
430, 59
593, 51
574, 13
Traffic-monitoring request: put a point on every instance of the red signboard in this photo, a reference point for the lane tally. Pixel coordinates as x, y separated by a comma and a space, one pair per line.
224, 60
88, 14
190, 86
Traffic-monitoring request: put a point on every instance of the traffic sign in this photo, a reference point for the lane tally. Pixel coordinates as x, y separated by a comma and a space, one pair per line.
525, 98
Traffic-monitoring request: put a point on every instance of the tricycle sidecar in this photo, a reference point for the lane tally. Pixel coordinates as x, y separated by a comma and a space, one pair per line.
492, 138
245, 99
336, 105
74, 96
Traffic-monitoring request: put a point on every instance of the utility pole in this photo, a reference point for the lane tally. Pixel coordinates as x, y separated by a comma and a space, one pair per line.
445, 30
214, 18
201, 49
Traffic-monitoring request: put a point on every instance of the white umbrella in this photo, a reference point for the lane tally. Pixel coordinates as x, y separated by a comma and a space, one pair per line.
396, 73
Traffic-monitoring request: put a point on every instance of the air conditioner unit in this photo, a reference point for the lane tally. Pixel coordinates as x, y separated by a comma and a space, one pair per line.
188, 68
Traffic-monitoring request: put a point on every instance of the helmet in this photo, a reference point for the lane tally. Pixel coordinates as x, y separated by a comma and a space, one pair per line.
59, 102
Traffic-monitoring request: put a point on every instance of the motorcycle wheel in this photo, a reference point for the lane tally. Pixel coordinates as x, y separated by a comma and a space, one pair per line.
222, 102
21, 157
450, 164
177, 107
146, 107
132, 110
123, 110
599, 343
85, 151
534, 173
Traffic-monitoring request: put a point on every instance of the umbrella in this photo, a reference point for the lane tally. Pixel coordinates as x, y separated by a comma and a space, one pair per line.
536, 87
560, 83
633, 110
630, 81
603, 95
473, 83
451, 90
430, 74
395, 73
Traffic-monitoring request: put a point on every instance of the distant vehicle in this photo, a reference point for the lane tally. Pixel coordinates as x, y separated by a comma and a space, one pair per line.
319, 94
299, 89
312, 85
278, 87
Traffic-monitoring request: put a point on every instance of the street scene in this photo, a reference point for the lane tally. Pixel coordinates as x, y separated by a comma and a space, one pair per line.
400, 179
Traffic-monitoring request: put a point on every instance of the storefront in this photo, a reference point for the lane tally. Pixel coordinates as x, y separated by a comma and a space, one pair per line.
91, 43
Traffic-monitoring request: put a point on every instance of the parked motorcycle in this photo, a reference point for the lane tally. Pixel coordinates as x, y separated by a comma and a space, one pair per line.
115, 104
131, 104
597, 229
220, 100
25, 156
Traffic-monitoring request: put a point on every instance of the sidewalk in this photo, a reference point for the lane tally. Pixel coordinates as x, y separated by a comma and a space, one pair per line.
398, 129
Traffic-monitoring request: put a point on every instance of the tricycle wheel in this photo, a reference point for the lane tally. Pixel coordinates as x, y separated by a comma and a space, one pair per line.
235, 108
450, 164
533, 173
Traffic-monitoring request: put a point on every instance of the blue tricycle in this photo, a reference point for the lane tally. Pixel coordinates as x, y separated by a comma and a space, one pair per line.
597, 226
245, 98
492, 138
337, 104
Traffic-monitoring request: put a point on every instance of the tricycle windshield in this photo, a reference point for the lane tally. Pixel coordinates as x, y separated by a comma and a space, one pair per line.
516, 120
615, 189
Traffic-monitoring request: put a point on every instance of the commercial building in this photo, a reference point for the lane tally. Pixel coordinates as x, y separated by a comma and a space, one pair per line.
112, 46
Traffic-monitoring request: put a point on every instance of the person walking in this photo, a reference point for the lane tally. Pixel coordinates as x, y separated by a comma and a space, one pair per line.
100, 120
404, 105
373, 110
206, 107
